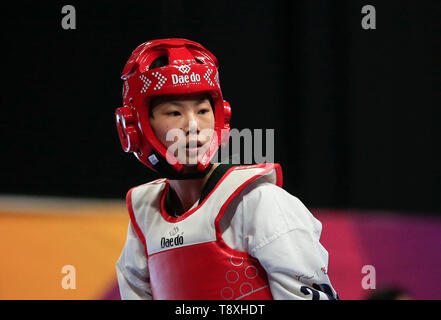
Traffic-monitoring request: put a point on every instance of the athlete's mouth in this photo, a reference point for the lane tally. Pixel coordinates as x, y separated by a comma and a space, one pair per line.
193, 144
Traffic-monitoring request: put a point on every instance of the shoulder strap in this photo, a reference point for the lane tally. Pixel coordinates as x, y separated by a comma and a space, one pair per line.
271, 170
133, 220
130, 203
217, 174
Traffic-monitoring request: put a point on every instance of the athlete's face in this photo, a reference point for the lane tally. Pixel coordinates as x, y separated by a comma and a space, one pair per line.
184, 125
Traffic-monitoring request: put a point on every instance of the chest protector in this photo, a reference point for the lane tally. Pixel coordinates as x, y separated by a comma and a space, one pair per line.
187, 257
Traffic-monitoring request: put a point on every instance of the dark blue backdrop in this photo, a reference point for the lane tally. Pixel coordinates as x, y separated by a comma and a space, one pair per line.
355, 112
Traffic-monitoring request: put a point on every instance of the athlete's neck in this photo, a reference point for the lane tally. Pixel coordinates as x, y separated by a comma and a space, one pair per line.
189, 191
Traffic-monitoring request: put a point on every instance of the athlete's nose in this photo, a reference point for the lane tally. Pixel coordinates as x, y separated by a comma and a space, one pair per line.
191, 125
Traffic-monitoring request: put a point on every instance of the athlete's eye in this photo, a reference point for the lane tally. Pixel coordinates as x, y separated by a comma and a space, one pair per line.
173, 113
203, 111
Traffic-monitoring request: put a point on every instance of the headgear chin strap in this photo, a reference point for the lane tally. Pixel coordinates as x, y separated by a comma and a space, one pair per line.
191, 69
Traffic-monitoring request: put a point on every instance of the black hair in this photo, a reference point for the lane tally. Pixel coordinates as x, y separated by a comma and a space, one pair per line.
162, 61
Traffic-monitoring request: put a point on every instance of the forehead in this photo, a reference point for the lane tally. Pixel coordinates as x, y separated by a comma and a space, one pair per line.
176, 100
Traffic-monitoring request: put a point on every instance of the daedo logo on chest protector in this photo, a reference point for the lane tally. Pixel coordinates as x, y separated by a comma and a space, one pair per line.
184, 79
171, 242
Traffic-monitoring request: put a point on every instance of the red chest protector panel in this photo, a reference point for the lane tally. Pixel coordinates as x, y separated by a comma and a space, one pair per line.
187, 257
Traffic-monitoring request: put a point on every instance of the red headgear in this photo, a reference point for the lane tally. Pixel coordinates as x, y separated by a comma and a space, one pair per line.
191, 69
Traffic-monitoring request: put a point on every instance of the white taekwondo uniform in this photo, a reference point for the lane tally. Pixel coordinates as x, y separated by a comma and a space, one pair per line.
247, 239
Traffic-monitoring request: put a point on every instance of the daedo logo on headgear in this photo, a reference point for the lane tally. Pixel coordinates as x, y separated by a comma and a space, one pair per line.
178, 79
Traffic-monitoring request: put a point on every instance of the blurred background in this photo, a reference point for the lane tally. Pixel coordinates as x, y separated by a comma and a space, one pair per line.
356, 115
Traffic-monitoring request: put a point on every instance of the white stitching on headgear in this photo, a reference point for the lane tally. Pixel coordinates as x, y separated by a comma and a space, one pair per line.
216, 78
146, 81
207, 77
161, 81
